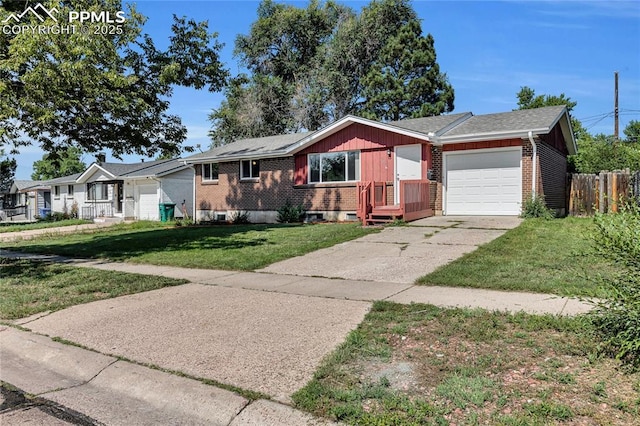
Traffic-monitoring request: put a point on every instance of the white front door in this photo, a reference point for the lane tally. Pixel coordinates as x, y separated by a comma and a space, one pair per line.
408, 166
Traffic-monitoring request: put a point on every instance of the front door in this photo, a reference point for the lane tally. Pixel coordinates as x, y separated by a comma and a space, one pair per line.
408, 166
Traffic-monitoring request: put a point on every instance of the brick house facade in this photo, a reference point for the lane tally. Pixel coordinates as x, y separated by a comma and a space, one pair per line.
284, 162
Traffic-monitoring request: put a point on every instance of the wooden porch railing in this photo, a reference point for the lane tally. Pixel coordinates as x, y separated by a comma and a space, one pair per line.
414, 199
372, 201
370, 195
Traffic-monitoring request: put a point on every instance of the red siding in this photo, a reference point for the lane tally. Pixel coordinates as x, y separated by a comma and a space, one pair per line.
373, 143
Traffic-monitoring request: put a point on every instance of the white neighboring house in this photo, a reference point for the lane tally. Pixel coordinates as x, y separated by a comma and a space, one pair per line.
66, 195
126, 191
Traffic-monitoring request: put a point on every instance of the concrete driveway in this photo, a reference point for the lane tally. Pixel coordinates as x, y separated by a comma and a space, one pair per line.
400, 254
255, 340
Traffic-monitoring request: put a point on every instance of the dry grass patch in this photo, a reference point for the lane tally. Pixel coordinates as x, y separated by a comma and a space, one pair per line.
420, 364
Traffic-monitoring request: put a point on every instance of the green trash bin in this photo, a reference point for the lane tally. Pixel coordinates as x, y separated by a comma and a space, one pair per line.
167, 211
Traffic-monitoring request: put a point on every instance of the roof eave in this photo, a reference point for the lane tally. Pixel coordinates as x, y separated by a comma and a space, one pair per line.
480, 137
238, 157
346, 122
83, 177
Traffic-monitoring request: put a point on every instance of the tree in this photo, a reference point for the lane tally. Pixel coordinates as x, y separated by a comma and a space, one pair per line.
95, 91
307, 67
405, 80
527, 99
7, 172
632, 132
57, 164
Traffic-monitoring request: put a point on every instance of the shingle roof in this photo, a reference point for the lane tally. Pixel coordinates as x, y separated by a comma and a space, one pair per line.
122, 169
253, 146
63, 179
520, 120
437, 129
428, 125
22, 185
155, 168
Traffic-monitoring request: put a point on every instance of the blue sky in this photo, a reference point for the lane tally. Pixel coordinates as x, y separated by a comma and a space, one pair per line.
489, 49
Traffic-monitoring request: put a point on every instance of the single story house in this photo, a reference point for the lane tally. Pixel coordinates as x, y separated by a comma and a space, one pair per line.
127, 191
27, 200
457, 164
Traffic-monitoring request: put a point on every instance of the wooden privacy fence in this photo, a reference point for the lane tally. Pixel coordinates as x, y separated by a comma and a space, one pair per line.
601, 192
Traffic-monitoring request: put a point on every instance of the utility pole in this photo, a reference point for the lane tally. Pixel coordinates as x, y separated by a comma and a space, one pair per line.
616, 132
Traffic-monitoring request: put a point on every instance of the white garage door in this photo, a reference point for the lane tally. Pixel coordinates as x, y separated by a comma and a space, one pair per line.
483, 183
148, 202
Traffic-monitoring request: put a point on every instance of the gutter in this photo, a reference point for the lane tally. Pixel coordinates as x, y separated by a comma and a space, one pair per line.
534, 164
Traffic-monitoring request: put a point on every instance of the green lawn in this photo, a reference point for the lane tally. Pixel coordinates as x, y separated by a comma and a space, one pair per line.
15, 227
422, 365
233, 247
28, 287
546, 256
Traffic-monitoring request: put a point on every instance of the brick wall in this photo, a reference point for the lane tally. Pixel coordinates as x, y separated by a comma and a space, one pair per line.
270, 191
436, 190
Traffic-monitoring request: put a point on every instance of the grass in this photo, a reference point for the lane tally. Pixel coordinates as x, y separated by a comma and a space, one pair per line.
236, 247
419, 364
28, 287
15, 227
545, 256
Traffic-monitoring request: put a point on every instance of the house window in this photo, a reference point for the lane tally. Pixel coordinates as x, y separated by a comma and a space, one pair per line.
56, 191
249, 169
70, 190
97, 191
210, 171
334, 167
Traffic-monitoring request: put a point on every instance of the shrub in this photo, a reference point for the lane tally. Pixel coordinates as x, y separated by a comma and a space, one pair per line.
240, 217
290, 213
617, 316
535, 206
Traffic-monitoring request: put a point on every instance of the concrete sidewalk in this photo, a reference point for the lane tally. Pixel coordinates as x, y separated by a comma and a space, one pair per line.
34, 233
116, 392
357, 290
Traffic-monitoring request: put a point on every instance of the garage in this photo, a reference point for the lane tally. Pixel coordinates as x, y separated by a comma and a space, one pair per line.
148, 202
483, 182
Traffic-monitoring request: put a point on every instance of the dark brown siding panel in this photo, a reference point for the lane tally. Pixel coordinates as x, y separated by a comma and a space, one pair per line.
552, 167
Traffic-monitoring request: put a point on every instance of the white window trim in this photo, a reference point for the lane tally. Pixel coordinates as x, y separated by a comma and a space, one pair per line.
346, 163
73, 191
56, 192
204, 179
250, 170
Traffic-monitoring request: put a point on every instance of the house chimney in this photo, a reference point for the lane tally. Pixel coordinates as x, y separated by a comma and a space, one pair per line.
101, 157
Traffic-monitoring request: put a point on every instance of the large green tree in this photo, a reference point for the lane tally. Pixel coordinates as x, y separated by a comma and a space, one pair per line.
100, 91
632, 131
405, 80
307, 67
57, 164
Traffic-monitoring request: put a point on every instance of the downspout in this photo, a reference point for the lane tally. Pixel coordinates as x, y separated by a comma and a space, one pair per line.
193, 211
534, 165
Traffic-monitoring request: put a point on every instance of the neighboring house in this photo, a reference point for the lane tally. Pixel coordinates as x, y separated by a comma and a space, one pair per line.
67, 195
28, 199
457, 164
128, 191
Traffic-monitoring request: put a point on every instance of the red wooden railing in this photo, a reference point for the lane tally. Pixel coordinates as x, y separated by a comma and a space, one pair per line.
372, 201
414, 199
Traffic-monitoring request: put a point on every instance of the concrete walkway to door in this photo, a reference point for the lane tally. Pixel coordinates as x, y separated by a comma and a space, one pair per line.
400, 254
